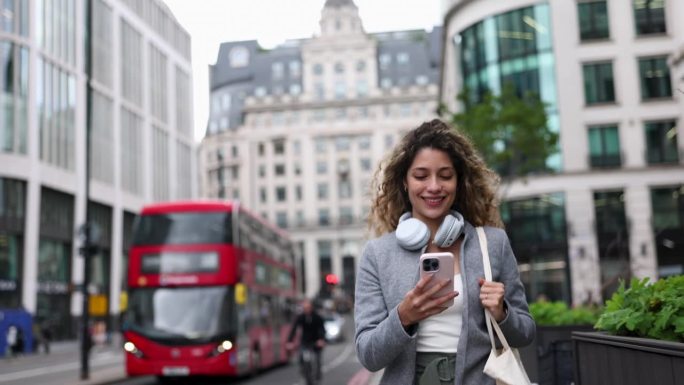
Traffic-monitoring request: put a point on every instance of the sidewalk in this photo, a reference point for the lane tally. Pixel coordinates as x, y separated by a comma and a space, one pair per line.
63, 365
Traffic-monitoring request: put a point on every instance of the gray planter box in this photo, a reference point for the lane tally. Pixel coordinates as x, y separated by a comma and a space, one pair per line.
548, 359
601, 358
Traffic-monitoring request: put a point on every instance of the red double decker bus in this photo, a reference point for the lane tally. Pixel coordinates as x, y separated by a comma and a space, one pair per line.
211, 291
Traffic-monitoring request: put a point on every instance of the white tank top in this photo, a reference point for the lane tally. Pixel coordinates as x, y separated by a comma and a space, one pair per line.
441, 332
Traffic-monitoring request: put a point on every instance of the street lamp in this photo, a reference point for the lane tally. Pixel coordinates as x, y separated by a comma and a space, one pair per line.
87, 231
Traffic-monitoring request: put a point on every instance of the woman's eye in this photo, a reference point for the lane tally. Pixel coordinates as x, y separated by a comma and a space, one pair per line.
420, 177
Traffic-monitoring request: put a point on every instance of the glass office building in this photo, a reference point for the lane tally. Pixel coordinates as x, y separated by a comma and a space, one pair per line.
141, 148
611, 206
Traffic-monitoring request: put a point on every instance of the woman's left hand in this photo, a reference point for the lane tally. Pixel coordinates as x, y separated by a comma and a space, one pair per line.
492, 298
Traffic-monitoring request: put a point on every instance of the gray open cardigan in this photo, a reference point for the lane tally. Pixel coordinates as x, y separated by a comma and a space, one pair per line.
387, 272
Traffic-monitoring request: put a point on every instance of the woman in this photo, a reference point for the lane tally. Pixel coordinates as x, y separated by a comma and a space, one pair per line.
434, 175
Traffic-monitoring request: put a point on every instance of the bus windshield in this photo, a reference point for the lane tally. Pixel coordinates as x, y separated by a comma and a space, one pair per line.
182, 315
183, 228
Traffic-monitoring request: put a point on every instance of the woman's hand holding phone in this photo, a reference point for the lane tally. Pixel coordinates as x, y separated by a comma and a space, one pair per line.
428, 298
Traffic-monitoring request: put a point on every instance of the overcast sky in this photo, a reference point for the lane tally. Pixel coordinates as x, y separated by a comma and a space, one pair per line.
271, 22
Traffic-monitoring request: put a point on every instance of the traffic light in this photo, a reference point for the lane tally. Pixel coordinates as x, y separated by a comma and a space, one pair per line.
331, 279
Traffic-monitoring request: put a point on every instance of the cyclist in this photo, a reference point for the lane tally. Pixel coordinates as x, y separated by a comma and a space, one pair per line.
313, 333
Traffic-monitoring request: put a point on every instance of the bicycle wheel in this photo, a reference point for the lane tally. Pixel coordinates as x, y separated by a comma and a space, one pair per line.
309, 367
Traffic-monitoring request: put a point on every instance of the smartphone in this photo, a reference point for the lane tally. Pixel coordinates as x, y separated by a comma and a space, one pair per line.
441, 266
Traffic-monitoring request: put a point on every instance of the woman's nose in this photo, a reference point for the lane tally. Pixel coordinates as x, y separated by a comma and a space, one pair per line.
433, 185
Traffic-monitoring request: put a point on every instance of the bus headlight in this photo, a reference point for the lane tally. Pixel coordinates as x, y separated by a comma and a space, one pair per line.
131, 348
222, 347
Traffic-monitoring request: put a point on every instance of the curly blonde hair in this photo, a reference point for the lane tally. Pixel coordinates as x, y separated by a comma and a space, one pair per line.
476, 197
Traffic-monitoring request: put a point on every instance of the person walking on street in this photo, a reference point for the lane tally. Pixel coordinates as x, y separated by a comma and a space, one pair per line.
46, 331
429, 196
11, 340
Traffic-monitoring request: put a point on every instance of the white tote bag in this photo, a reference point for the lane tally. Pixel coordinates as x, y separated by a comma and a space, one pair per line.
504, 364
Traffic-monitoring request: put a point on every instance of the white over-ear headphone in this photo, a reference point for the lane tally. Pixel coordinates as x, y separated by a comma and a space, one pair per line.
412, 234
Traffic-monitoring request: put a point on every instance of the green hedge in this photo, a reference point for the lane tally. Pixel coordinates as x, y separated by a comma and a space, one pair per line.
646, 310
558, 313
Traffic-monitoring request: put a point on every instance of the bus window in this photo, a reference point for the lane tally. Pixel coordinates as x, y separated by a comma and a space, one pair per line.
183, 228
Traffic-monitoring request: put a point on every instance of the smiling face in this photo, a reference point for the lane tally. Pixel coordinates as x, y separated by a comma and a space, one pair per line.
431, 185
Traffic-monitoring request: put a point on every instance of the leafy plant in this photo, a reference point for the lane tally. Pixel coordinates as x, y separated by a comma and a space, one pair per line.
558, 313
510, 131
646, 310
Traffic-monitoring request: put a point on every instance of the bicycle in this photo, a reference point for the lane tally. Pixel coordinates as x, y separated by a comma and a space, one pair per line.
309, 365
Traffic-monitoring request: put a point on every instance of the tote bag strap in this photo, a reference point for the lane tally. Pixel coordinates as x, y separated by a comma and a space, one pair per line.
488, 276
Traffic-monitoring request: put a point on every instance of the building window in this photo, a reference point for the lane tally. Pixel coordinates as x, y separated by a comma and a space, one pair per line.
318, 69
320, 146
321, 167
295, 89
225, 102
262, 195
295, 68
132, 157
342, 143
262, 170
604, 146
340, 90
339, 68
299, 218
655, 78
322, 189
281, 194
385, 60
56, 112
323, 217
593, 20
389, 141
298, 193
279, 169
649, 16
366, 164
345, 189
297, 169
668, 228
661, 142
319, 91
158, 85
238, 57
361, 88
277, 70
386, 83
402, 58
346, 216
279, 147
364, 142
598, 83
281, 219
612, 234
160, 157
261, 149
360, 66
537, 231
422, 80
14, 17
260, 91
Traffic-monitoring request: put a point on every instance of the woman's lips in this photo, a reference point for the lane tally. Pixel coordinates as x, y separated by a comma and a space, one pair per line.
434, 202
